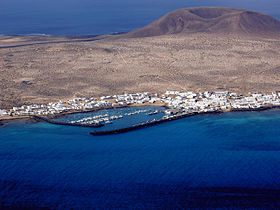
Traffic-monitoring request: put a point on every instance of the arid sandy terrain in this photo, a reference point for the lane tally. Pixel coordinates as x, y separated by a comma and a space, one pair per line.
42, 69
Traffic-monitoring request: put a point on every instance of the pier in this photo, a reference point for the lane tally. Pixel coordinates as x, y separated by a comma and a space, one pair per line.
178, 105
38, 118
148, 124
175, 117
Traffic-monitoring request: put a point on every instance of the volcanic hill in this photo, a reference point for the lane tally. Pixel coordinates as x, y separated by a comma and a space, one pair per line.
211, 20
199, 49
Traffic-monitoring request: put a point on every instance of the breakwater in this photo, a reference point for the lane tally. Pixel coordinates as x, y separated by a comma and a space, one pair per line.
148, 124
176, 117
254, 109
38, 118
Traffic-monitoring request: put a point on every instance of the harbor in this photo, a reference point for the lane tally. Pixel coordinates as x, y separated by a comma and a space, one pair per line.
171, 118
143, 125
149, 108
38, 118
108, 119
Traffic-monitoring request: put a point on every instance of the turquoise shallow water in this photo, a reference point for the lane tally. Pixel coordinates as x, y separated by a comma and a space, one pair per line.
224, 160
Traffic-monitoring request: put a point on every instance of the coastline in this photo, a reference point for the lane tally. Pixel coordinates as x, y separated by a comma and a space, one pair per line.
176, 105
30, 118
34, 118
176, 117
6, 120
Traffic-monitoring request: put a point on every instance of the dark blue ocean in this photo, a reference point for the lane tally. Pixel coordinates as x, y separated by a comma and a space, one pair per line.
229, 160
218, 160
94, 17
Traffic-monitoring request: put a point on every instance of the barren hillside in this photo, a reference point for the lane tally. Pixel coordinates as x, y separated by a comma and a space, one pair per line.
36, 69
219, 20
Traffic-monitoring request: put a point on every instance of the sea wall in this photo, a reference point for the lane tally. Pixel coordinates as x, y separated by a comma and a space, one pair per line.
156, 122
148, 124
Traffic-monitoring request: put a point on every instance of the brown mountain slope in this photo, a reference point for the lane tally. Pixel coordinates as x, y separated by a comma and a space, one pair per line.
211, 20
